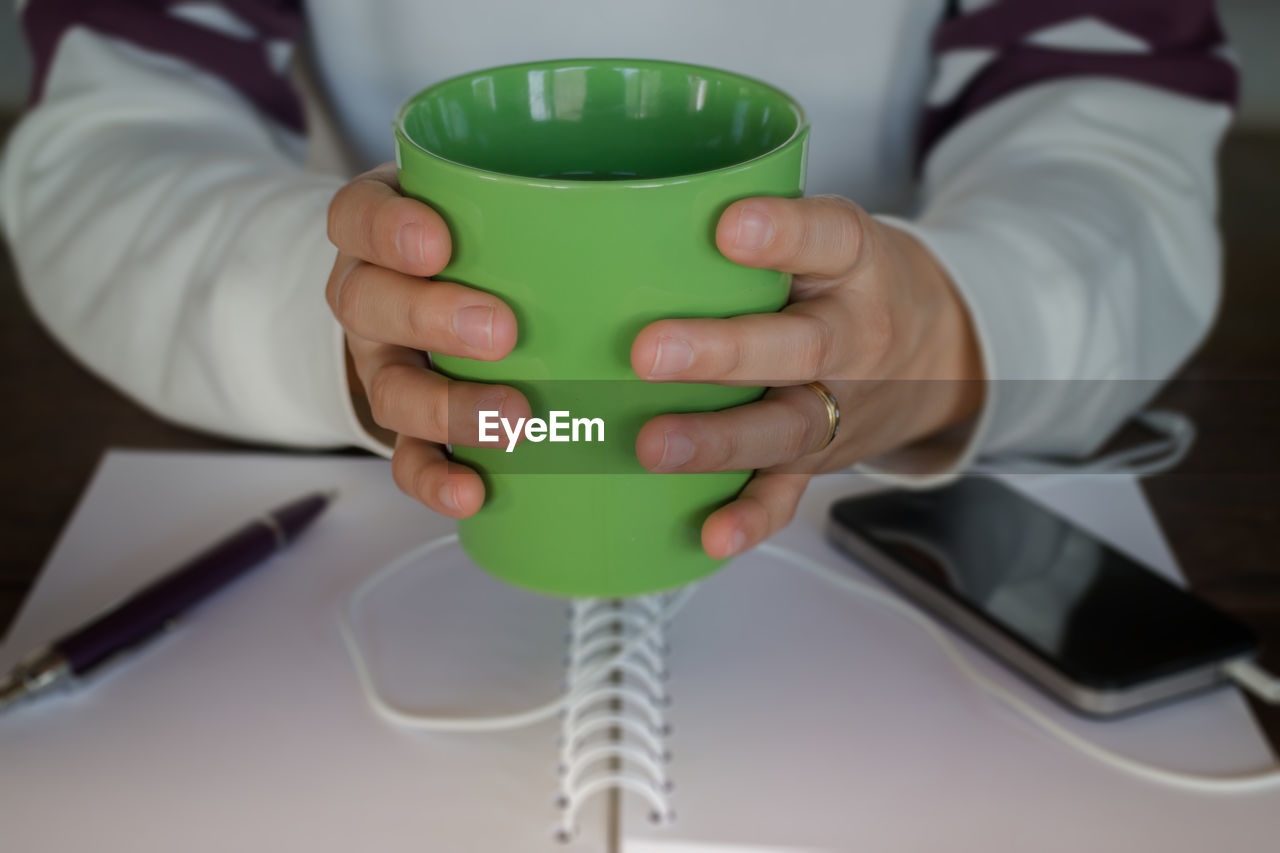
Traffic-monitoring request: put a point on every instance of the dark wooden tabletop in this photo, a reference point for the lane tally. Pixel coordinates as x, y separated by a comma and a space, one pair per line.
1220, 510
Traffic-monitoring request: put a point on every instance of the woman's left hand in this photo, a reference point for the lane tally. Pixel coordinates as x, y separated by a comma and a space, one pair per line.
871, 314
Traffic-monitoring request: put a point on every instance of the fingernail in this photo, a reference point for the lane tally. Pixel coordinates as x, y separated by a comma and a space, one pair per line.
677, 449
673, 356
492, 403
449, 497
474, 325
737, 542
411, 242
755, 229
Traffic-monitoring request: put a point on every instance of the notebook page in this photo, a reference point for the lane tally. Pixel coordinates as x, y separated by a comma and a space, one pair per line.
807, 720
245, 728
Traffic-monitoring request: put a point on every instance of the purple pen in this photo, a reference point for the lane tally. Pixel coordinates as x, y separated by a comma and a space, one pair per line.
155, 607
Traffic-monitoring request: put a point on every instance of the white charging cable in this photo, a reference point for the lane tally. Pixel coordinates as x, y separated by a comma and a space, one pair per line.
1253, 678
498, 722
1245, 673
1228, 784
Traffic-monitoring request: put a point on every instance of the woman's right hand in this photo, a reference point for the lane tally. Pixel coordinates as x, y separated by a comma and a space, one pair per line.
393, 315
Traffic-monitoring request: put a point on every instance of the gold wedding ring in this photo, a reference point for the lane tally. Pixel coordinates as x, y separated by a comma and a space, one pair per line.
833, 413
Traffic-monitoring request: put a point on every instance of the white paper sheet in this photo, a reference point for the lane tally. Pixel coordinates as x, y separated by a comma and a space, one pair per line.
245, 730
808, 720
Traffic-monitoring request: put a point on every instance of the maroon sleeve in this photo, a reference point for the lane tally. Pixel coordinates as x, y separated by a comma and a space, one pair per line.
241, 62
1175, 45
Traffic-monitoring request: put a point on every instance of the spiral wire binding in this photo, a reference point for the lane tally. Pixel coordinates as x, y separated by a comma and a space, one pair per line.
613, 730
612, 708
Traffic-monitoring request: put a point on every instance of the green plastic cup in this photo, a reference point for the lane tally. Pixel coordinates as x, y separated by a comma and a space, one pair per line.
585, 193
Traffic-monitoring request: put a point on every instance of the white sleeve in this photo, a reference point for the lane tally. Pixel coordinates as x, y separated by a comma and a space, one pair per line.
1077, 220
166, 233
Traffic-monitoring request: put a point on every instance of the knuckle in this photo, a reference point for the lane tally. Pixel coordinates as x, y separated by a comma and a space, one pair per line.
724, 453
797, 242
810, 358
349, 292
878, 330
333, 218
799, 435
732, 355
849, 236
332, 286
785, 513
421, 479
402, 471
419, 319
839, 203
843, 229
384, 394
760, 518
435, 417
350, 214
816, 346
380, 229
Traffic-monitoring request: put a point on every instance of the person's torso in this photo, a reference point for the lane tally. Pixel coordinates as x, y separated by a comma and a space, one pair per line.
859, 67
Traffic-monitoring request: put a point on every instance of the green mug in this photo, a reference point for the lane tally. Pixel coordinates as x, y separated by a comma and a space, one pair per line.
585, 193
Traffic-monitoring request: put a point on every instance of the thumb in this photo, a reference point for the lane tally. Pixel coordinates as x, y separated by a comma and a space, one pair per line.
817, 236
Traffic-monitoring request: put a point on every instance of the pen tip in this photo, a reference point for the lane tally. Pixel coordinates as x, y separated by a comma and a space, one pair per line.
330, 495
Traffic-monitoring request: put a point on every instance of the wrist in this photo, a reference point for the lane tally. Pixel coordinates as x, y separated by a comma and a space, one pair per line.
943, 347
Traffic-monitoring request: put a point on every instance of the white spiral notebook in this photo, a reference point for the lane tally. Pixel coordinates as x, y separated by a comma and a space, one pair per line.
800, 719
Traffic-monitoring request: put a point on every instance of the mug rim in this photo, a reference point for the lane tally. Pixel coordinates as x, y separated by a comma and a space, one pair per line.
801, 128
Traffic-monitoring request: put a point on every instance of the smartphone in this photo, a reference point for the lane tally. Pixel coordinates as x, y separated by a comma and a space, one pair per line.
1085, 623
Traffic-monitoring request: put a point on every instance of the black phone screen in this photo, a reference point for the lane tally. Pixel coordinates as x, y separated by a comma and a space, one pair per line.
1091, 612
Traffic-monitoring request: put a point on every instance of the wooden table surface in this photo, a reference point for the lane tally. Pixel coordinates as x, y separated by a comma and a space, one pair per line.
1220, 510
